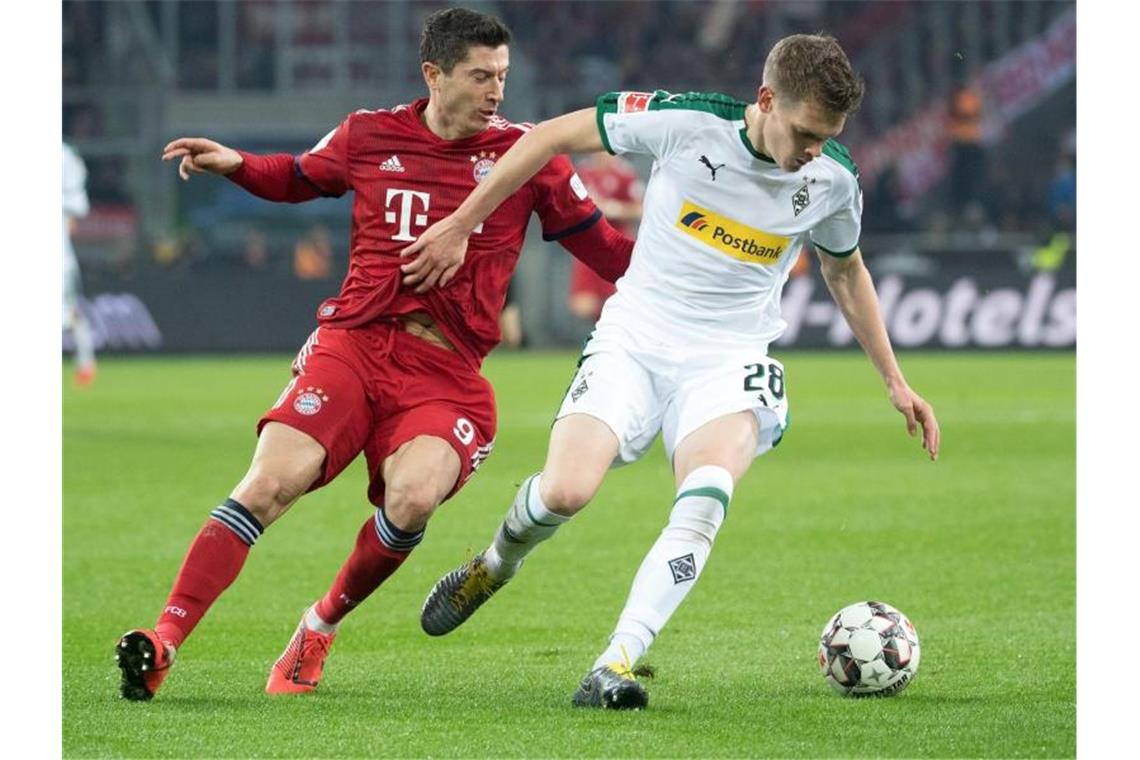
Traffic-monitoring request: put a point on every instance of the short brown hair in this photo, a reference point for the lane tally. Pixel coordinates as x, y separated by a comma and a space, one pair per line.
813, 67
448, 35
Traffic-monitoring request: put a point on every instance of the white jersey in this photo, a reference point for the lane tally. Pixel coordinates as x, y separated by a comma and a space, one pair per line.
722, 224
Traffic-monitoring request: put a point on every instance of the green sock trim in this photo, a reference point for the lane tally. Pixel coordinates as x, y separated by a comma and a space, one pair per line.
709, 491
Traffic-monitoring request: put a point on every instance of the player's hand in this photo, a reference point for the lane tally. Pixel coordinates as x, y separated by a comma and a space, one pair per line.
200, 155
918, 414
436, 256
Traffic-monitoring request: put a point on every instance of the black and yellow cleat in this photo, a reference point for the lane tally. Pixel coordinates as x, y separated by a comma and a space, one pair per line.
457, 595
613, 687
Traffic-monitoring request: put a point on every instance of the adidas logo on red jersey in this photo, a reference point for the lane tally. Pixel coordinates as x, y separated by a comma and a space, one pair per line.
392, 165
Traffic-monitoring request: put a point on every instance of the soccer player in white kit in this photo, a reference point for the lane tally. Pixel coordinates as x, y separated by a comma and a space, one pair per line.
75, 205
682, 347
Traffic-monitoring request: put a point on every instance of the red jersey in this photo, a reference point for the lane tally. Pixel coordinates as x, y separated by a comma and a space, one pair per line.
613, 179
406, 178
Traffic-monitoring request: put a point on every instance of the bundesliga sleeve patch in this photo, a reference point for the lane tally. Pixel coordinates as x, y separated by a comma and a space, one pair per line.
634, 102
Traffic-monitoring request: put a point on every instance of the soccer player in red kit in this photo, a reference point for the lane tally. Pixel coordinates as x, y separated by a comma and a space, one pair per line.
393, 367
615, 186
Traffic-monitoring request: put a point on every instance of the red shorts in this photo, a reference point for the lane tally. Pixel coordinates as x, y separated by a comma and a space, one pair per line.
373, 389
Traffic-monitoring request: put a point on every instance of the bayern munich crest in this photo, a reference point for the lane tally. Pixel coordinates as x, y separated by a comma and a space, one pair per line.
309, 402
484, 163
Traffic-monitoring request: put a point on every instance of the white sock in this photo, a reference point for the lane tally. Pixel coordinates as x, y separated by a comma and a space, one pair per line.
673, 564
527, 524
627, 644
314, 622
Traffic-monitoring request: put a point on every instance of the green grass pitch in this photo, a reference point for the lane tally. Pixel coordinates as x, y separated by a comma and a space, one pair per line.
978, 549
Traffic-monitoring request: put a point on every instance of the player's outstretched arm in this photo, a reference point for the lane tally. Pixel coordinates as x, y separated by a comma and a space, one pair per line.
436, 255
274, 177
200, 155
850, 284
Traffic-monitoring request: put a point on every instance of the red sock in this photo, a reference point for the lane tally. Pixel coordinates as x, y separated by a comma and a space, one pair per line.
369, 565
213, 562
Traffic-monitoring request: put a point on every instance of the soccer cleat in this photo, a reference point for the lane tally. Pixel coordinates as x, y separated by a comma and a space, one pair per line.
457, 595
298, 669
144, 661
84, 377
613, 687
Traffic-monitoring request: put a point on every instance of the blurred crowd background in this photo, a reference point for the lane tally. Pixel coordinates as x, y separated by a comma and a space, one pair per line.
966, 140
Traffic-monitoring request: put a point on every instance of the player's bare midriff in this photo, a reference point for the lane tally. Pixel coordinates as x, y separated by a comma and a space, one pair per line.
421, 325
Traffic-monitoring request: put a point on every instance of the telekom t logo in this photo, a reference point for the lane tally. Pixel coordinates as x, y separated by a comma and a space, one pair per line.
410, 204
408, 200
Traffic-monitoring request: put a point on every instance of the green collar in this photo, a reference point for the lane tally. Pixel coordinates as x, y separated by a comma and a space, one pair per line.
751, 148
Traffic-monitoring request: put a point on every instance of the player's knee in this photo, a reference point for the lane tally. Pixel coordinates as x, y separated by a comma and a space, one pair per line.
266, 495
563, 495
409, 505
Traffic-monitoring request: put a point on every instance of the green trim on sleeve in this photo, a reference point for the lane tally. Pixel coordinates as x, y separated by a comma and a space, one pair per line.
838, 151
606, 103
836, 254
715, 103
718, 104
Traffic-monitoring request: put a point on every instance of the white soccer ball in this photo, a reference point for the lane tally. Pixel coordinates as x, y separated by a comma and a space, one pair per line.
868, 649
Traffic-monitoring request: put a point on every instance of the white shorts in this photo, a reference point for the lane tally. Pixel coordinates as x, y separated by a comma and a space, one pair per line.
640, 392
